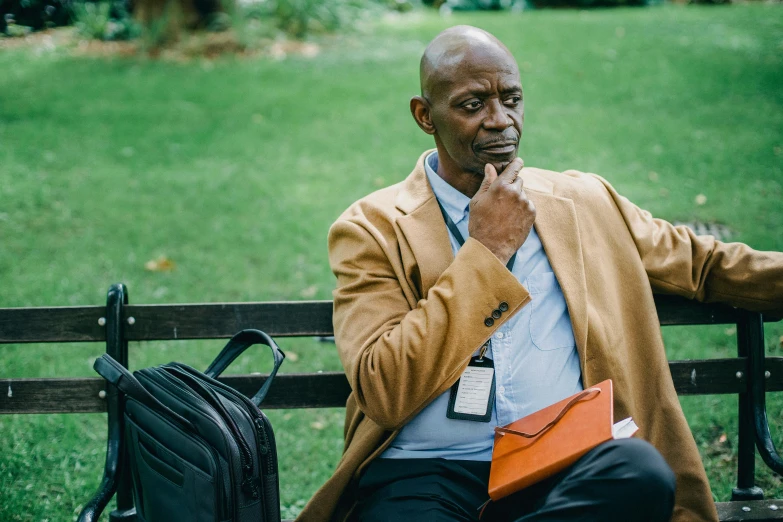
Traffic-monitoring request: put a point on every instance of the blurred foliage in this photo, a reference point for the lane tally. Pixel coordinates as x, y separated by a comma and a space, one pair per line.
104, 21
298, 18
33, 14
13, 29
591, 3
478, 5
184, 14
498, 5
162, 21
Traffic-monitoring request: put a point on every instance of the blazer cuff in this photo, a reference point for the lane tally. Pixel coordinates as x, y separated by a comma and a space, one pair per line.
500, 292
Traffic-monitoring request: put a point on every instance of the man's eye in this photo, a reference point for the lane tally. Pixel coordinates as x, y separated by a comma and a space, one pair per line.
473, 105
513, 100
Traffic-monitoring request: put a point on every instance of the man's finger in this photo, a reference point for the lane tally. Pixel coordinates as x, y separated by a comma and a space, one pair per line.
517, 184
490, 175
513, 169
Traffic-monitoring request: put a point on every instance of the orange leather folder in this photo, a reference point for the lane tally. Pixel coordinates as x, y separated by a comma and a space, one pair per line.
545, 442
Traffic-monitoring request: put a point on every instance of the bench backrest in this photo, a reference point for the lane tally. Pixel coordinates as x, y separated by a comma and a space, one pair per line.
749, 374
121, 323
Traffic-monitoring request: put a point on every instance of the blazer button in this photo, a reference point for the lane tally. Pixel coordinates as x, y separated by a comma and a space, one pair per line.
489, 321
496, 314
503, 307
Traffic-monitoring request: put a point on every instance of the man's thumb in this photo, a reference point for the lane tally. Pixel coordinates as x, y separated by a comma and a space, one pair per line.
490, 175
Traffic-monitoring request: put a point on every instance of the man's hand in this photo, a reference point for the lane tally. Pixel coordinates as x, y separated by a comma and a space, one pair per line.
501, 216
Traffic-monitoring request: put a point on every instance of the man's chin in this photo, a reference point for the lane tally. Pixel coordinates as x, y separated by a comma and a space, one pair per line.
500, 167
499, 162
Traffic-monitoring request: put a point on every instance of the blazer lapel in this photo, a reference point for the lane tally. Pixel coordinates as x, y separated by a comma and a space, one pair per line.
427, 238
424, 230
558, 229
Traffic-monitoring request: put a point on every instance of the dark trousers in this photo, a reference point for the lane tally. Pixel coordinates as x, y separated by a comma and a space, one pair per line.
624, 480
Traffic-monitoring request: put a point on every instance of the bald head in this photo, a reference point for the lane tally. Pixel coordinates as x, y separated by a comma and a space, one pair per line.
442, 57
471, 103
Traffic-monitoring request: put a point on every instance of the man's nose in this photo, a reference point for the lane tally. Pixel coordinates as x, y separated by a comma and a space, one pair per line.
498, 117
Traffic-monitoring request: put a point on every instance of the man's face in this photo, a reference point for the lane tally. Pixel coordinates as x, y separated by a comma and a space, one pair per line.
477, 110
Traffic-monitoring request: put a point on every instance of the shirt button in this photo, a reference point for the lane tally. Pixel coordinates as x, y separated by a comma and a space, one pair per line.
499, 335
501, 389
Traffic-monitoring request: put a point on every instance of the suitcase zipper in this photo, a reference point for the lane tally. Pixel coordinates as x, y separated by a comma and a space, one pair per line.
249, 481
264, 432
266, 447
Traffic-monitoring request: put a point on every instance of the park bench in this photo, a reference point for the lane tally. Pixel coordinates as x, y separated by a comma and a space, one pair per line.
749, 375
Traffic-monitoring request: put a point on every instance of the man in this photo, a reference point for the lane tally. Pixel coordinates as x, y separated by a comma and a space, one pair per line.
557, 271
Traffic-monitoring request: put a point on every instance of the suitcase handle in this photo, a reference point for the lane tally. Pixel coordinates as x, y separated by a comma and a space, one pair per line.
238, 344
120, 377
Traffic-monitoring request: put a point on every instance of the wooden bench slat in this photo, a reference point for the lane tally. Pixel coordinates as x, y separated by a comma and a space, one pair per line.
715, 376
757, 510
72, 395
55, 324
330, 389
222, 320
80, 395
674, 310
313, 318
213, 321
306, 390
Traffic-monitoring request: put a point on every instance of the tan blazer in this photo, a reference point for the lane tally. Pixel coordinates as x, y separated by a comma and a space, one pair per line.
408, 313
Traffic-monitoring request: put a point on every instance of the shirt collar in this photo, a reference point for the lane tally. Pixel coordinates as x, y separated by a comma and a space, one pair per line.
454, 202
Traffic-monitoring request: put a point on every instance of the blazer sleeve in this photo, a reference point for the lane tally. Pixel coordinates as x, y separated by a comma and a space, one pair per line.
400, 355
677, 261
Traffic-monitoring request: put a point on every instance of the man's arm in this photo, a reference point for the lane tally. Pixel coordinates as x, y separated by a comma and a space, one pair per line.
398, 356
679, 262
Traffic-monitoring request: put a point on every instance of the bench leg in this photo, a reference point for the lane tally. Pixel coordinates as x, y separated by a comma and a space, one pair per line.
746, 454
746, 449
117, 347
115, 471
758, 376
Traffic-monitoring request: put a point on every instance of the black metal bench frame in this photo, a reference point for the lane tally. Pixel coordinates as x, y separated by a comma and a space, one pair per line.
750, 375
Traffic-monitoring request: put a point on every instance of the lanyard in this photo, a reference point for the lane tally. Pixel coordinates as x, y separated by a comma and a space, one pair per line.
458, 236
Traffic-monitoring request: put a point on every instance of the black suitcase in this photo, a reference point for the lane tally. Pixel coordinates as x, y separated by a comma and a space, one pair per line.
198, 449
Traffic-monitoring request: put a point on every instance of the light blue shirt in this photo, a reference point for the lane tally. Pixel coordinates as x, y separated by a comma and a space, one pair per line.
534, 352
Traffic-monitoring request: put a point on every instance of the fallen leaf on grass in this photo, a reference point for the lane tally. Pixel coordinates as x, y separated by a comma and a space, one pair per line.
317, 425
291, 356
700, 199
161, 264
309, 292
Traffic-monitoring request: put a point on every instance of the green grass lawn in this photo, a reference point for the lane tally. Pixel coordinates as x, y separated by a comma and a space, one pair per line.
235, 169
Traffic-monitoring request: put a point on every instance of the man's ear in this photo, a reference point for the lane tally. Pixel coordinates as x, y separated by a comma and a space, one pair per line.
420, 109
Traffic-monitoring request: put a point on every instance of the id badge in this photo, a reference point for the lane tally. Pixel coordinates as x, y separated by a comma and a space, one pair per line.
473, 394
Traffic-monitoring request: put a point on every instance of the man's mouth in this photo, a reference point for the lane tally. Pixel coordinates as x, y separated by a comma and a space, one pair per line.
499, 149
